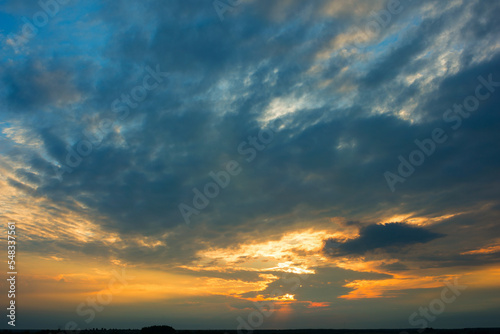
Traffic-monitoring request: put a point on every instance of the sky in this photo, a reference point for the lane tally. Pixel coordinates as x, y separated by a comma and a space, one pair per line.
245, 164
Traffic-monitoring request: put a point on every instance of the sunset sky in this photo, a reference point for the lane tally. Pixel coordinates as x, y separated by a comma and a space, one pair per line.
187, 162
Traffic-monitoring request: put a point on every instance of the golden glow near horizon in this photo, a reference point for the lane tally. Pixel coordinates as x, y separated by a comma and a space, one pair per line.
299, 252
63, 280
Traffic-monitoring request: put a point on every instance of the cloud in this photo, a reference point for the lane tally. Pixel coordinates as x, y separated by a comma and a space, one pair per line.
389, 237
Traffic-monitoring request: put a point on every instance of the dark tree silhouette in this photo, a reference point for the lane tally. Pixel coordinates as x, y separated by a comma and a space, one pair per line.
158, 330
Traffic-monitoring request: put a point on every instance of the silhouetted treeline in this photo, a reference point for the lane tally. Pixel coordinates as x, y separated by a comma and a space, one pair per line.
158, 330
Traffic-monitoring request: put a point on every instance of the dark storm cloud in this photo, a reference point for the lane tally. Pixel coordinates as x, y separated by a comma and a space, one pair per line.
388, 237
391, 267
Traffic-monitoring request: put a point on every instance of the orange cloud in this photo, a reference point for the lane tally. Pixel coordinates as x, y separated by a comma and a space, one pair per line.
486, 250
387, 288
296, 252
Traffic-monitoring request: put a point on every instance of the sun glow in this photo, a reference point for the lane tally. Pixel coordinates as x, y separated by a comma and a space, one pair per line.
304, 247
